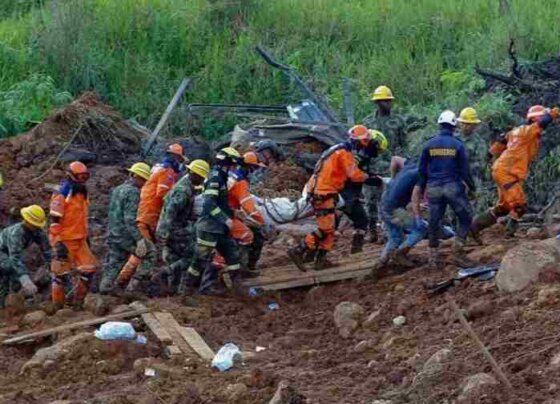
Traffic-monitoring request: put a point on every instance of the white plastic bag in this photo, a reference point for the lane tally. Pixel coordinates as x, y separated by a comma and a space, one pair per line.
223, 360
115, 330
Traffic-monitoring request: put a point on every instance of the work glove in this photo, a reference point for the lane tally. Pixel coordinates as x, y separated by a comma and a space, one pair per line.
374, 181
141, 248
27, 285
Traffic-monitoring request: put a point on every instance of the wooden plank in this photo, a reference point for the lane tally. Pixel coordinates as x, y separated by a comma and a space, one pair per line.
71, 326
172, 351
196, 342
159, 331
168, 321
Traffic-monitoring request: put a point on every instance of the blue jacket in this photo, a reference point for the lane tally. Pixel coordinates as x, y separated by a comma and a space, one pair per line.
444, 160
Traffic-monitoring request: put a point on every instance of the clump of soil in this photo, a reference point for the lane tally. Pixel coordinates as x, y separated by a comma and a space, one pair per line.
284, 179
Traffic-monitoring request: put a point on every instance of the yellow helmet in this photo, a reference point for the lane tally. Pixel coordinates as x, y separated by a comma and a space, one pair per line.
468, 115
228, 154
382, 93
199, 167
382, 142
34, 215
140, 169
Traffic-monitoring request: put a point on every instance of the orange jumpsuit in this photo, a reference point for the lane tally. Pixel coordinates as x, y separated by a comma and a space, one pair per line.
151, 200
242, 202
68, 238
334, 169
515, 153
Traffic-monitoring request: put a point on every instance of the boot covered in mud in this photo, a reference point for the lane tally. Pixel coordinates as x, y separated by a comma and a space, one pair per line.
459, 257
481, 222
133, 290
321, 261
358, 239
373, 236
434, 262
511, 227
401, 258
299, 254
246, 272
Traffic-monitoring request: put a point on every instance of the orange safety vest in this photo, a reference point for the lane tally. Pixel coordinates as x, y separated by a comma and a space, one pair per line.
151, 197
239, 198
73, 214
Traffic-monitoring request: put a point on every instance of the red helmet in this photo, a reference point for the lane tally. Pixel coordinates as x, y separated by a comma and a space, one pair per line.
536, 111
358, 132
78, 171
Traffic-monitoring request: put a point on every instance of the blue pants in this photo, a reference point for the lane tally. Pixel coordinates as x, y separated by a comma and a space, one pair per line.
396, 230
439, 197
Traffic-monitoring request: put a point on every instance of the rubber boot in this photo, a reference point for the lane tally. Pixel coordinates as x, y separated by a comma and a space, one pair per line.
511, 227
433, 260
321, 261
297, 255
372, 232
401, 259
309, 256
459, 254
481, 222
357, 243
245, 272
380, 265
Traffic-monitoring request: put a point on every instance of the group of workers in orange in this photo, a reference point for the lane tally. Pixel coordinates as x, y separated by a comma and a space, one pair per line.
217, 223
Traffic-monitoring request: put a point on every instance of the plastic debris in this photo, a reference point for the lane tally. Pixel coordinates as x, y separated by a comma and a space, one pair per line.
260, 348
273, 306
224, 358
399, 321
253, 292
115, 330
149, 372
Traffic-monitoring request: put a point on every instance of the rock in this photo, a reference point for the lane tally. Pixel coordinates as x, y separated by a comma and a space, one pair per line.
555, 361
548, 295
49, 365
141, 364
58, 350
399, 321
473, 386
510, 314
381, 402
434, 365
362, 346
488, 254
34, 318
15, 303
65, 313
479, 309
523, 263
347, 317
399, 288
536, 233
236, 392
371, 321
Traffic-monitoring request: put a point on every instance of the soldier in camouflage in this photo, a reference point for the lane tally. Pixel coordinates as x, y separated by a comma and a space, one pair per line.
475, 146
13, 242
175, 230
123, 230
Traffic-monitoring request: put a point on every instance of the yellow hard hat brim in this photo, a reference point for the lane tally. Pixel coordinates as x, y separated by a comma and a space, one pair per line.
472, 121
33, 222
145, 176
200, 173
382, 98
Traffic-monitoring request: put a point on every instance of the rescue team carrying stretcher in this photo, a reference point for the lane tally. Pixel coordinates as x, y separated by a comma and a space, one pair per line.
210, 233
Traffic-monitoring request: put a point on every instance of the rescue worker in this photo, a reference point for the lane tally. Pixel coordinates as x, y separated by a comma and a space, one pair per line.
402, 190
444, 172
514, 152
68, 235
13, 241
352, 192
268, 152
395, 128
247, 219
158, 185
123, 233
335, 168
475, 146
213, 228
175, 231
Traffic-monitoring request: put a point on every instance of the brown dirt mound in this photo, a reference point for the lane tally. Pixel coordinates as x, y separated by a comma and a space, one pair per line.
30, 160
284, 179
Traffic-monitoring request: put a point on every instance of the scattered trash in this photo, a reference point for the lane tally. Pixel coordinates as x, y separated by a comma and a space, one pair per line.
149, 372
483, 272
273, 306
117, 330
260, 348
399, 321
253, 292
225, 357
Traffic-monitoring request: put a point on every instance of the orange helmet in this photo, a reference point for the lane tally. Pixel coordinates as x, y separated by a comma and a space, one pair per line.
78, 171
358, 132
251, 159
536, 111
176, 149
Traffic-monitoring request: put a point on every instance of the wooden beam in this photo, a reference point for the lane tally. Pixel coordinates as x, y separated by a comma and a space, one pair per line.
159, 331
71, 326
196, 342
168, 321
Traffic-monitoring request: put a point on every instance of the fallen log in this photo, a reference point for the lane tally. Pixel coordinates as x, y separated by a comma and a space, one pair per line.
66, 327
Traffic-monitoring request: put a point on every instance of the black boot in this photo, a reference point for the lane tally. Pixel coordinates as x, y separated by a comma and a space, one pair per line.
357, 243
321, 261
372, 231
297, 255
481, 222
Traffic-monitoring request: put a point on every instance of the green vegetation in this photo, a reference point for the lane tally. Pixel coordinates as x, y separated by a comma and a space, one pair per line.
135, 52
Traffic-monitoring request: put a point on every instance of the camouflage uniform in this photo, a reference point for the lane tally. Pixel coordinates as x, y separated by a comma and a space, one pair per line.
176, 228
477, 151
123, 231
13, 241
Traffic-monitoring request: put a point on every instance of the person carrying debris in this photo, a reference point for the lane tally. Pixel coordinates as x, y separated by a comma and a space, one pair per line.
161, 181
68, 235
248, 221
352, 192
335, 168
123, 234
175, 230
213, 228
14, 240
402, 190
444, 172
514, 152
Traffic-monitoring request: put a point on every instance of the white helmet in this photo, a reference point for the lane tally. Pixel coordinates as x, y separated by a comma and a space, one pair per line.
447, 117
